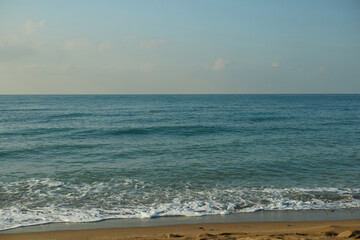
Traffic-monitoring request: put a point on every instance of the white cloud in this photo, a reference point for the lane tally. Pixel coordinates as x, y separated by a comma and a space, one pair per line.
11, 40
18, 41
21, 44
31, 27
76, 43
17, 46
219, 64
152, 43
275, 64
104, 46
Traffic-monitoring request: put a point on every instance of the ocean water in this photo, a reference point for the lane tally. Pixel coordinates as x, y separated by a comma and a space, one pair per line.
81, 158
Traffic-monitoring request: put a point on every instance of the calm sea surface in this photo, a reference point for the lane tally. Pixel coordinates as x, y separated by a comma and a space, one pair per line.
76, 158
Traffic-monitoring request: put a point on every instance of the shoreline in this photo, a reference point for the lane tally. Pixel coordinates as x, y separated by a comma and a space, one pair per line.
274, 216
341, 229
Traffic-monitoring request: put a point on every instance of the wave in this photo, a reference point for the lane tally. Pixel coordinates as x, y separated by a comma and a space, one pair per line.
26, 152
68, 115
270, 119
25, 109
176, 130
181, 130
36, 131
39, 201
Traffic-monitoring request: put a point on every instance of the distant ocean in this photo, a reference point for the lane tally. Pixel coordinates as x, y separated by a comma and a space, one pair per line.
80, 158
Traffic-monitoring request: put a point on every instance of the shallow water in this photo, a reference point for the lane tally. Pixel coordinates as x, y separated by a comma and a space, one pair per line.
74, 158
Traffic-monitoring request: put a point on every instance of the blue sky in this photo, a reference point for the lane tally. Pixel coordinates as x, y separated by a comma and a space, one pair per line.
53, 47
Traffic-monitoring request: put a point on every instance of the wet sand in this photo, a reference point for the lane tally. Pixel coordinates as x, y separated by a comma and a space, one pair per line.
347, 229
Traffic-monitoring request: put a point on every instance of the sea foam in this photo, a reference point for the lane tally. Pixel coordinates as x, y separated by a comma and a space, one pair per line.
48, 201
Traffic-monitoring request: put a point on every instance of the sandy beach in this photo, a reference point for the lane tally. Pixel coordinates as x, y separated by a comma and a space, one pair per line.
348, 229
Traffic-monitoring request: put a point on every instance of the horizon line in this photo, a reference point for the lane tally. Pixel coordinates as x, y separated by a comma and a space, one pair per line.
44, 94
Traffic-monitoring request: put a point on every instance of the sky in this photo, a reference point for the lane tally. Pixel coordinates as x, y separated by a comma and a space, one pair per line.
179, 47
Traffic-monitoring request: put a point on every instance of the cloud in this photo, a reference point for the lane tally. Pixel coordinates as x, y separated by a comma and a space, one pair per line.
152, 43
11, 40
31, 27
76, 43
104, 46
21, 44
219, 64
275, 64
17, 46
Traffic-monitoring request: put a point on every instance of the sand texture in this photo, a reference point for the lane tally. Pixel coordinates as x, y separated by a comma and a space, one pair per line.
349, 229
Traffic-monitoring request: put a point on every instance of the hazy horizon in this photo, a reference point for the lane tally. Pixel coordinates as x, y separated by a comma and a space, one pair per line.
79, 94
178, 47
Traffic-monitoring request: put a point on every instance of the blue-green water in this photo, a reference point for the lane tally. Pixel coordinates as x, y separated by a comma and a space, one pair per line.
92, 157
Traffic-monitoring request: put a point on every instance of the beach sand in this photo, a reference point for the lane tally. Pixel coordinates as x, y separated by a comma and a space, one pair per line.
348, 229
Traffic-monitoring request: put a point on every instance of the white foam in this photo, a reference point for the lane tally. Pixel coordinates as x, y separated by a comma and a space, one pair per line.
39, 201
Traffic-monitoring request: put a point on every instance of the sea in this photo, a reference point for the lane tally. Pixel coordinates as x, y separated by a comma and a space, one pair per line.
86, 158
